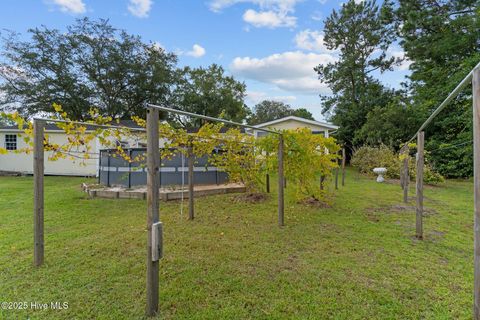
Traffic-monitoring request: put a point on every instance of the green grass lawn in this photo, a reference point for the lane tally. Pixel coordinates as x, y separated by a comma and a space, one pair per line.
356, 260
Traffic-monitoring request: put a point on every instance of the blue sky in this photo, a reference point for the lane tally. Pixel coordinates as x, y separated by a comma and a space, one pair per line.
271, 45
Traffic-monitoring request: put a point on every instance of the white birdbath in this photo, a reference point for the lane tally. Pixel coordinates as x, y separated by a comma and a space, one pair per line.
380, 172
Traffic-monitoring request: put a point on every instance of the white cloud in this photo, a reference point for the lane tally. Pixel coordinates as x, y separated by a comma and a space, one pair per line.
286, 5
158, 46
317, 16
290, 71
197, 51
140, 8
397, 52
258, 96
269, 19
311, 40
71, 6
272, 13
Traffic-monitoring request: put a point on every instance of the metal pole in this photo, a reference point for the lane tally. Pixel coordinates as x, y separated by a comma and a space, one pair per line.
476, 179
419, 186
130, 168
281, 200
153, 165
190, 182
201, 116
38, 206
447, 100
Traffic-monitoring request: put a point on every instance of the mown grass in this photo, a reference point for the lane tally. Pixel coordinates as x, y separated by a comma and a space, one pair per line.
356, 260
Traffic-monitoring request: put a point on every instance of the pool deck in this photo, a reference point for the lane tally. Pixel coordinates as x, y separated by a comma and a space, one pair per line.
166, 194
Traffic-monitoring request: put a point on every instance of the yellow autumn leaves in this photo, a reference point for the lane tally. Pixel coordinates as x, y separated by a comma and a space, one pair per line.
244, 158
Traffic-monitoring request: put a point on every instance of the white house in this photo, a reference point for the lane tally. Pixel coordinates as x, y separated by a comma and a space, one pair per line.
293, 122
12, 138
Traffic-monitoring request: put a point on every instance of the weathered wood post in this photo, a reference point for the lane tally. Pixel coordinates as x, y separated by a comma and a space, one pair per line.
405, 175
38, 194
267, 182
153, 181
281, 200
336, 174
419, 184
191, 213
476, 179
343, 166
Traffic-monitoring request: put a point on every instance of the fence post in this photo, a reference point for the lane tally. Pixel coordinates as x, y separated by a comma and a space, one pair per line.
153, 181
38, 207
402, 171
336, 175
419, 184
281, 200
405, 175
190, 182
476, 179
267, 182
343, 167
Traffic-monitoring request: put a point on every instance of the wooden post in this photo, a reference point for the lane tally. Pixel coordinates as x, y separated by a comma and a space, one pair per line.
343, 167
153, 181
191, 214
281, 201
336, 175
402, 171
38, 194
476, 179
406, 176
420, 162
267, 182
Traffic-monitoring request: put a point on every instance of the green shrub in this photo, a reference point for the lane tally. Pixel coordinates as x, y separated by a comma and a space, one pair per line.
366, 158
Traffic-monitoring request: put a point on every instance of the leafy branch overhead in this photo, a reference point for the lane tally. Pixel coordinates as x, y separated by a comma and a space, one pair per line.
243, 157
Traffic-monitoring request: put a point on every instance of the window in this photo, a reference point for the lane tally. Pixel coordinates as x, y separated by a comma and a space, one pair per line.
319, 132
11, 141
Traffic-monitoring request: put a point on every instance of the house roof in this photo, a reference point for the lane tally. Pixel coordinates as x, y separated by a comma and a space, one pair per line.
49, 126
312, 122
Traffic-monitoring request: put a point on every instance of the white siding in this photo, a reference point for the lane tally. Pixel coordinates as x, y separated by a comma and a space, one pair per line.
290, 124
21, 162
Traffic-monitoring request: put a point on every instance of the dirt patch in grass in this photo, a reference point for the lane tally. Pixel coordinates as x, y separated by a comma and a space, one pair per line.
251, 197
373, 217
401, 208
314, 202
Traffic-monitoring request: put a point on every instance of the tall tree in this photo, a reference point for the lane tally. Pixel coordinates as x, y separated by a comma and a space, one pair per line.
92, 64
208, 91
269, 110
442, 39
361, 33
391, 124
303, 113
